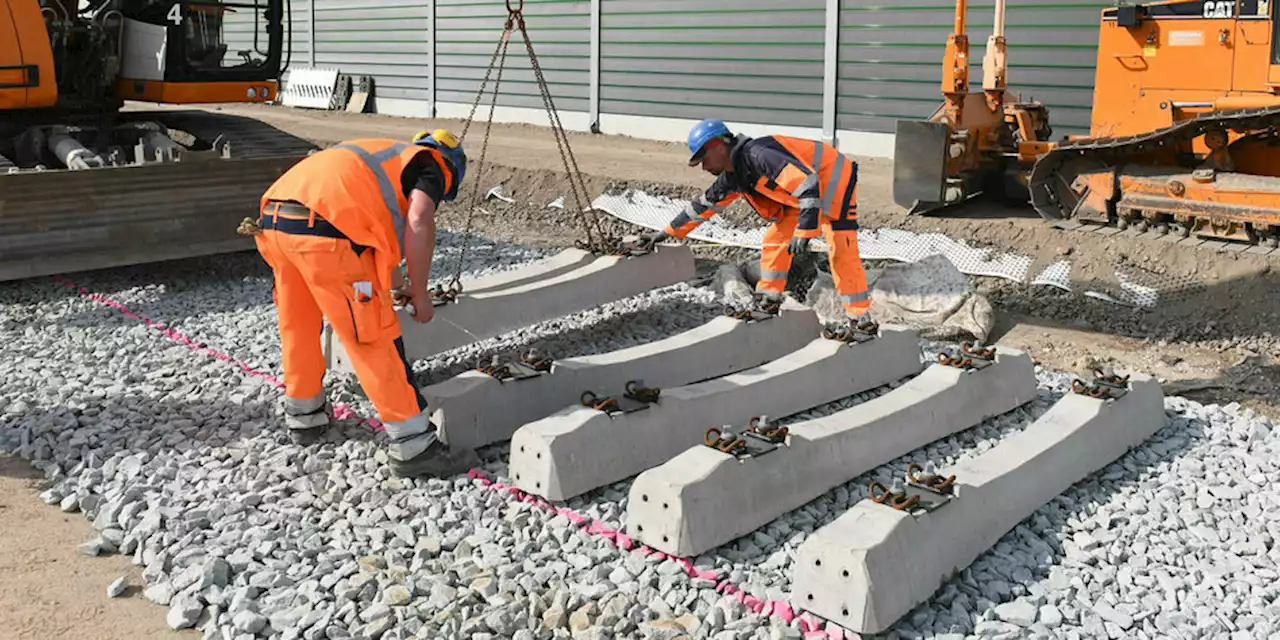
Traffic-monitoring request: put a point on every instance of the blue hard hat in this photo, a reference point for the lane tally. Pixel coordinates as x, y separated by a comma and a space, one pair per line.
449, 147
701, 134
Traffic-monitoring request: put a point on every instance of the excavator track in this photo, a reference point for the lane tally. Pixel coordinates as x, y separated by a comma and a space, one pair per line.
63, 220
1053, 174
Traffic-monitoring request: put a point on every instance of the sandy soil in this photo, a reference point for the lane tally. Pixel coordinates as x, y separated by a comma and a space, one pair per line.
50, 590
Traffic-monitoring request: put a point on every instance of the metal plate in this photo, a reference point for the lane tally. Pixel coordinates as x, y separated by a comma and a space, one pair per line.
919, 162
930, 500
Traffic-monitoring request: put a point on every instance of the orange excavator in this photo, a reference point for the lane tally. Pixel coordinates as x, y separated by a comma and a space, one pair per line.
1183, 134
87, 182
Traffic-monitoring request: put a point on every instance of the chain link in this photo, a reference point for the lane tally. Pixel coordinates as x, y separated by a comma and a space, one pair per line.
500, 57
588, 216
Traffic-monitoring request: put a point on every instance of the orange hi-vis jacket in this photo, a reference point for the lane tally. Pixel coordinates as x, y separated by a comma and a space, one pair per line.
356, 186
778, 175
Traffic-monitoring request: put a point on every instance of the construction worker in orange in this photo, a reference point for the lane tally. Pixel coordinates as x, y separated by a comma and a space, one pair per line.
799, 186
334, 229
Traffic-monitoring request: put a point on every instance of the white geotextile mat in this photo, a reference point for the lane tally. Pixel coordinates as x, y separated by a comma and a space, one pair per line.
654, 212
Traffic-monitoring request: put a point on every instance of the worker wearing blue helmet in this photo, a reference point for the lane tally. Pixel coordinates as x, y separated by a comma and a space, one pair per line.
802, 187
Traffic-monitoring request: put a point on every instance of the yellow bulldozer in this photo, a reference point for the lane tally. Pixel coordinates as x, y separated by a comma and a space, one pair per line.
1183, 134
86, 183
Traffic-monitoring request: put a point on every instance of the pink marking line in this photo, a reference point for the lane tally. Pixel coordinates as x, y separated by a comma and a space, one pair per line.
782, 610
340, 410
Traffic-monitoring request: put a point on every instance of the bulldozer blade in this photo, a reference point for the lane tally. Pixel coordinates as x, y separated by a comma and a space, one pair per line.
920, 165
67, 221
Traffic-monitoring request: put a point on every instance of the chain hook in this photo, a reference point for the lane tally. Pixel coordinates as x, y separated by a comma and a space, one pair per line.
518, 8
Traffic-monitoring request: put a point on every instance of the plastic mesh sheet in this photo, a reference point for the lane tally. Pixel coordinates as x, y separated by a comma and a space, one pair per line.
654, 212
1057, 275
884, 244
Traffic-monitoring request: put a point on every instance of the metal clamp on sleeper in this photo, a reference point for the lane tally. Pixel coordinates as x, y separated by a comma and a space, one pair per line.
1106, 385
760, 309
529, 366
894, 497
930, 491
756, 440
927, 478
635, 397
616, 246
725, 441
760, 427
866, 329
968, 356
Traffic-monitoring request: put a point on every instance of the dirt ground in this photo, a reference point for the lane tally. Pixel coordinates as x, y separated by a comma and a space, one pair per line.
1209, 341
50, 590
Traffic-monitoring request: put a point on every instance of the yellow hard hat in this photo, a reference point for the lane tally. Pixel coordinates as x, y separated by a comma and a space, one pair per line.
442, 136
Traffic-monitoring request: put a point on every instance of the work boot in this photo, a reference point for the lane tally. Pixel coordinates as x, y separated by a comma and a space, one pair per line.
416, 450
307, 420
437, 461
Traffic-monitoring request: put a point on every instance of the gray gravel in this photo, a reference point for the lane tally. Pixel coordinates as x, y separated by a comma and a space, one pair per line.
178, 462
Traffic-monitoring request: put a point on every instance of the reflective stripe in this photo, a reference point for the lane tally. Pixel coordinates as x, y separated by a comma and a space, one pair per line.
818, 150
837, 174
304, 406
810, 203
773, 275
829, 194
403, 429
810, 180
854, 298
374, 162
682, 220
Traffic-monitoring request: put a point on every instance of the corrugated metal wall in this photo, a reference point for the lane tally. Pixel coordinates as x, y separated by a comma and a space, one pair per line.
387, 39
468, 36
890, 60
742, 60
238, 29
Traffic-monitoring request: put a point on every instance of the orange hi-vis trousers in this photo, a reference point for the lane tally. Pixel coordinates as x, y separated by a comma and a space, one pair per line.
321, 274
846, 265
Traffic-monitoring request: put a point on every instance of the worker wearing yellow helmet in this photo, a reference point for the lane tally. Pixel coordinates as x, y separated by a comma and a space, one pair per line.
335, 227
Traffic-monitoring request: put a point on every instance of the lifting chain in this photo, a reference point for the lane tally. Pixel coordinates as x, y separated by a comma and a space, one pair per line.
589, 217
500, 58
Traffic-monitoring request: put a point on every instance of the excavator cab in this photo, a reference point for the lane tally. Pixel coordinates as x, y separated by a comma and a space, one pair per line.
86, 57
202, 50
87, 182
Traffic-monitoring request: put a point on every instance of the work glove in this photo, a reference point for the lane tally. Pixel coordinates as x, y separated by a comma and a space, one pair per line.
798, 246
648, 240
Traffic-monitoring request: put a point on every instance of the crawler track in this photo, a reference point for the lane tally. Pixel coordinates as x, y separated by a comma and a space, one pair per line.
61, 221
1051, 178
